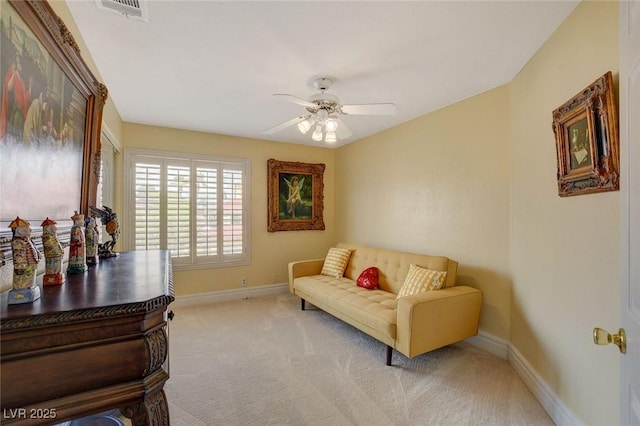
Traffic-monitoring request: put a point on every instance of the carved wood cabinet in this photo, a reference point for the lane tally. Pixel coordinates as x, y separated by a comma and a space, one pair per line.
95, 343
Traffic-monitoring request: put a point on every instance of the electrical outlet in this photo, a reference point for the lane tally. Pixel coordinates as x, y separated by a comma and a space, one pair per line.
243, 281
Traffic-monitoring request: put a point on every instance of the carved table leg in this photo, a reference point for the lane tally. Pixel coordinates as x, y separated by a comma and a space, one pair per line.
153, 411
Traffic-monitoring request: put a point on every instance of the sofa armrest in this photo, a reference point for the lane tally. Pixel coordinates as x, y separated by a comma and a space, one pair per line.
430, 320
304, 268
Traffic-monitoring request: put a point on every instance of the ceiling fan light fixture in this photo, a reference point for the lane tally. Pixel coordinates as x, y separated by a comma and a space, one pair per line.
330, 137
305, 126
331, 124
317, 134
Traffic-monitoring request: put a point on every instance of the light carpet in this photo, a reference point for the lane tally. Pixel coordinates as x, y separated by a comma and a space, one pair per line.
263, 361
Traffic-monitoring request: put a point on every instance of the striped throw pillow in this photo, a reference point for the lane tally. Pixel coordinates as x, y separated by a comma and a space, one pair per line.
336, 262
420, 280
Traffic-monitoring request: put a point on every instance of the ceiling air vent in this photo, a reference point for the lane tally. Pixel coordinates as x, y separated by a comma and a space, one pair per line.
134, 9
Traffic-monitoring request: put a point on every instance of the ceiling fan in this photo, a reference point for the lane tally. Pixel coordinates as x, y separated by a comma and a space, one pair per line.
323, 111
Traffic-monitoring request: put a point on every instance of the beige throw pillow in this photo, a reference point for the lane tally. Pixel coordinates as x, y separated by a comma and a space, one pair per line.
420, 280
336, 262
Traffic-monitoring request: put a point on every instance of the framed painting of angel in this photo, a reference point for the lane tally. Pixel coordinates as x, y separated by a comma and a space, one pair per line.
295, 196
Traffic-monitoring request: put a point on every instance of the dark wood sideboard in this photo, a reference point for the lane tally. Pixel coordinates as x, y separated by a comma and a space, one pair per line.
96, 343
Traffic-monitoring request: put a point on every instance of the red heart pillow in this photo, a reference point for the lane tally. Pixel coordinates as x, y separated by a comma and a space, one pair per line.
368, 278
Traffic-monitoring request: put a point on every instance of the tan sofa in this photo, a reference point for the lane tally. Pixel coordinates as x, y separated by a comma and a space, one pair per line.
413, 324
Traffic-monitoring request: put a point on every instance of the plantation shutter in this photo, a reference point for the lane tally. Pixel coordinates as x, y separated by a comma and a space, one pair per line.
178, 190
232, 212
147, 205
196, 208
207, 211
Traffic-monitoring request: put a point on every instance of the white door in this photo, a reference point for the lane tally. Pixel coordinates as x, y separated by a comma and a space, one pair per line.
630, 196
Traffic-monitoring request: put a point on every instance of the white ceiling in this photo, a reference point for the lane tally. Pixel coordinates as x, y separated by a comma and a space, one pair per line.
213, 66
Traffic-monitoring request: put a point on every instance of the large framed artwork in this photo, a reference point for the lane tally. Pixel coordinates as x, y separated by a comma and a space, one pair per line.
50, 118
586, 132
295, 192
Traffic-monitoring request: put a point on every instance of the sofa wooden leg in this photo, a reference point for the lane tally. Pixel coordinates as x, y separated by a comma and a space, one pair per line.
302, 304
389, 354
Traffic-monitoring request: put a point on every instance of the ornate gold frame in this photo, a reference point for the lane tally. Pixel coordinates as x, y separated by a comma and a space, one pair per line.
307, 214
586, 132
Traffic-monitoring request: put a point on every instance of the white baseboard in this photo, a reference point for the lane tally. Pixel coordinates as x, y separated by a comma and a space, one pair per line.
227, 295
490, 343
557, 410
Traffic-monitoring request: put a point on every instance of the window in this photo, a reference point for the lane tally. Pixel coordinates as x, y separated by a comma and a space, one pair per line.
195, 206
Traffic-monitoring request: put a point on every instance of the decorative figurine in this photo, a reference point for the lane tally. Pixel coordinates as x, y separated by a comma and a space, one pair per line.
110, 220
91, 238
53, 254
25, 264
77, 254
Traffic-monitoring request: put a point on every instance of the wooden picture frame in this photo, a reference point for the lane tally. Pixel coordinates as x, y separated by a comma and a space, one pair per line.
295, 196
586, 133
50, 121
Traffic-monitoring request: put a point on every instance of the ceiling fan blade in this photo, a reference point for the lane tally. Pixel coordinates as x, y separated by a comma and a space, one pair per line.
342, 132
369, 109
285, 124
295, 100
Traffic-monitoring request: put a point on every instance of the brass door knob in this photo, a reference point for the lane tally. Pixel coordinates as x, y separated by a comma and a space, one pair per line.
603, 337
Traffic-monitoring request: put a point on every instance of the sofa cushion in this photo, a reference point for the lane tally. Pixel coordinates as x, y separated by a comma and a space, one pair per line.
376, 308
421, 279
335, 262
393, 266
368, 278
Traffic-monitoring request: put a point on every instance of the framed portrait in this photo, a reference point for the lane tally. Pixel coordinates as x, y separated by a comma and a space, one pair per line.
295, 192
586, 132
50, 118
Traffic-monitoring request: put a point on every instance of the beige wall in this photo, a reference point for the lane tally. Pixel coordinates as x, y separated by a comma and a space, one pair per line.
270, 251
476, 181
564, 251
438, 185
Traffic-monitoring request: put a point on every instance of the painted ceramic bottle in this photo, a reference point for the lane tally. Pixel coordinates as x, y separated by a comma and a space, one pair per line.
53, 254
77, 249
